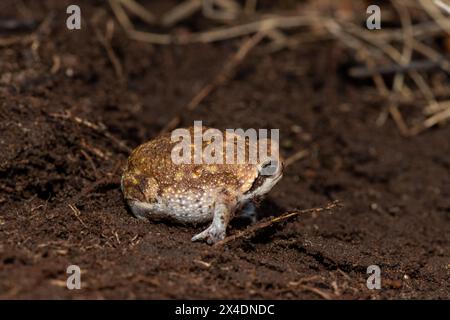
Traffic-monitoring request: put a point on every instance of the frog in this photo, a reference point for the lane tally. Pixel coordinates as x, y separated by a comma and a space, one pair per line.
157, 188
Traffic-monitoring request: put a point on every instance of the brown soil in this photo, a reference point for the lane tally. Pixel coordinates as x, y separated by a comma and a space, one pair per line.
394, 190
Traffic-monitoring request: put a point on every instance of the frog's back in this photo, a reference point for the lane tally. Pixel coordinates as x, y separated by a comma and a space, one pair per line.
152, 163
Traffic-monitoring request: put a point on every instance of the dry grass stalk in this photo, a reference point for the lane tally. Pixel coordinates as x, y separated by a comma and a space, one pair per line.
252, 229
364, 42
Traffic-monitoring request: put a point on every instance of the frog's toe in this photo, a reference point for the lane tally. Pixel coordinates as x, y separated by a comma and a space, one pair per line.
199, 237
211, 235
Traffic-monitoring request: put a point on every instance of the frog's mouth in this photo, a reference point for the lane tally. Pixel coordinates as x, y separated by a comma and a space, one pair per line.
263, 183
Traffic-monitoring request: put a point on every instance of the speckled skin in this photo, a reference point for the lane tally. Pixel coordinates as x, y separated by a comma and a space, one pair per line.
155, 187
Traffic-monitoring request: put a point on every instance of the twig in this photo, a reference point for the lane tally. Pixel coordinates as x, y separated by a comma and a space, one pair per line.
432, 121
437, 107
77, 213
31, 38
149, 37
121, 15
416, 65
91, 162
442, 5
139, 10
125, 22
419, 31
305, 280
279, 39
356, 44
317, 291
265, 24
434, 12
104, 155
56, 64
105, 40
228, 69
6, 42
219, 34
180, 12
251, 230
393, 54
296, 157
405, 59
433, 55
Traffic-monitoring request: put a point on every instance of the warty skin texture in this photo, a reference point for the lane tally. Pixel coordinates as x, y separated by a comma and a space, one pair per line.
157, 188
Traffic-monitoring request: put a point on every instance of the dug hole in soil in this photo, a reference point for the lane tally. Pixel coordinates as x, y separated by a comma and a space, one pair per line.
66, 131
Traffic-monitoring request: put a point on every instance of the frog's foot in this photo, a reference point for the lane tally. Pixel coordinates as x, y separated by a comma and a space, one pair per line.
211, 235
217, 230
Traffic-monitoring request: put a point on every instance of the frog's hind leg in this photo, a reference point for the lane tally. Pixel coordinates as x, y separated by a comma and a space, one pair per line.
139, 209
217, 230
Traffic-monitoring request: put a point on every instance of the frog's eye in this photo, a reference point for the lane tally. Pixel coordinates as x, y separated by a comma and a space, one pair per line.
269, 167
